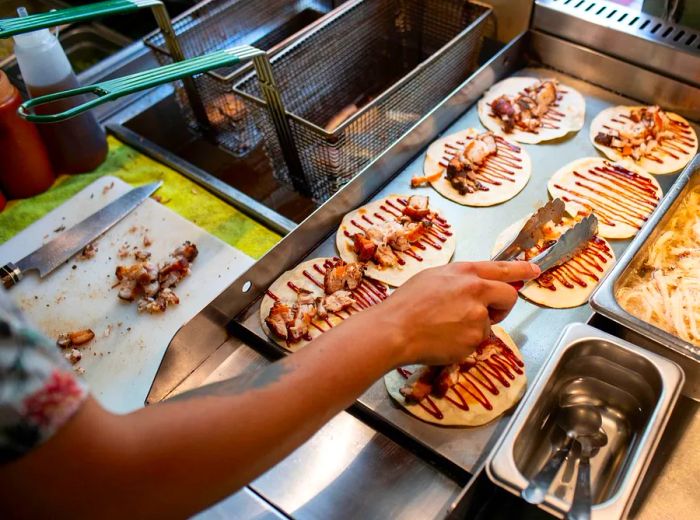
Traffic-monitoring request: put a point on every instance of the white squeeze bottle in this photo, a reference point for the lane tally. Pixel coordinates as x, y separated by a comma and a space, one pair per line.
76, 145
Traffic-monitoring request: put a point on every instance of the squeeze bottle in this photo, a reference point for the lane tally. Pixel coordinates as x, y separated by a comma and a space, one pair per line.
76, 145
25, 169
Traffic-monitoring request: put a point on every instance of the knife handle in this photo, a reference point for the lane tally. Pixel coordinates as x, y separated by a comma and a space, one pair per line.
10, 275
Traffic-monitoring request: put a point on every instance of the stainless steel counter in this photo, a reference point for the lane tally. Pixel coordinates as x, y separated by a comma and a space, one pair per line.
346, 470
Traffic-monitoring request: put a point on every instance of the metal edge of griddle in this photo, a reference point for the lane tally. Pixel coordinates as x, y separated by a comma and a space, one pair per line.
645, 40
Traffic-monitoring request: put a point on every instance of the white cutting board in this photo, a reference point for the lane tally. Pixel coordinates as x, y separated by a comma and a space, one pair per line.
119, 367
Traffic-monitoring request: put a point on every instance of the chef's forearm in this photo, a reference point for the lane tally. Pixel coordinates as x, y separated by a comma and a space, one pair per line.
174, 458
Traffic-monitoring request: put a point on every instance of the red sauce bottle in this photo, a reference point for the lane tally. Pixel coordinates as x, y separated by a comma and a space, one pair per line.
25, 169
2, 202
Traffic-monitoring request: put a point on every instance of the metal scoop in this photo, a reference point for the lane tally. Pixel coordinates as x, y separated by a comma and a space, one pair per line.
581, 504
571, 423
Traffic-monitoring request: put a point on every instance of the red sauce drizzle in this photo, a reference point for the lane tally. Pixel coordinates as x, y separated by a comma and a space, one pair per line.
588, 264
477, 380
615, 194
496, 169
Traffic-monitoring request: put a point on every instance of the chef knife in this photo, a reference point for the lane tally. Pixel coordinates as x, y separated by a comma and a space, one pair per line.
52, 254
568, 244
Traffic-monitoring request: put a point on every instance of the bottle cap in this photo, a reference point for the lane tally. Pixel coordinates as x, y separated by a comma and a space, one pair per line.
7, 89
34, 38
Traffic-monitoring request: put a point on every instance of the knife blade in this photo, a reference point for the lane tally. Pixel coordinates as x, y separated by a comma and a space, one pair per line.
568, 245
532, 231
52, 254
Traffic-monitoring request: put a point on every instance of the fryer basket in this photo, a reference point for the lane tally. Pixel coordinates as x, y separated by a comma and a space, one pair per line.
219, 24
388, 61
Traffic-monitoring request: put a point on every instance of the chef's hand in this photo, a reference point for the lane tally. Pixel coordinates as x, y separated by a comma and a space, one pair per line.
442, 314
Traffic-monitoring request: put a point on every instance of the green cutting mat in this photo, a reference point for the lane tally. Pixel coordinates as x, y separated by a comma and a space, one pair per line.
177, 193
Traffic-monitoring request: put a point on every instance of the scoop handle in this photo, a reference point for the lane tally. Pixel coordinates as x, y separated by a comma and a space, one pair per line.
536, 491
581, 504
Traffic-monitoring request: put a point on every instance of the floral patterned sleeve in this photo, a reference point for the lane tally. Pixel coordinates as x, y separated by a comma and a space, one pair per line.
39, 391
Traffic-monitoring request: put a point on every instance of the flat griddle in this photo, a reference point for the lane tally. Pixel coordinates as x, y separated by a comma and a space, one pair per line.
533, 328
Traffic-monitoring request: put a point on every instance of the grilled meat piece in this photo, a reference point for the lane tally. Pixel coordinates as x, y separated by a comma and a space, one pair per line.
385, 257
280, 315
364, 248
603, 138
417, 207
159, 302
445, 380
478, 150
338, 301
504, 110
420, 384
75, 338
343, 276
187, 250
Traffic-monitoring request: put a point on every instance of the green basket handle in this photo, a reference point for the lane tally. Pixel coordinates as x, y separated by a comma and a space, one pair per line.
12, 26
115, 88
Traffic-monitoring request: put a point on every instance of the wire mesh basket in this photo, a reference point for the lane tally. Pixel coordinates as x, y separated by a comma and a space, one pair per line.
359, 80
214, 25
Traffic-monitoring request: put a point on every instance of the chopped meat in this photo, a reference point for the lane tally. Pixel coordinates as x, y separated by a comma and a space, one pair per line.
123, 251
147, 241
364, 248
321, 311
647, 129
89, 251
478, 150
420, 384
446, 379
159, 302
338, 301
342, 276
153, 283
73, 356
385, 256
75, 338
417, 207
604, 139
503, 109
280, 315
526, 109
141, 255
299, 325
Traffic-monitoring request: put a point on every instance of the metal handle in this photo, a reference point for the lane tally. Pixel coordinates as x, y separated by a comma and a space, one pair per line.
536, 491
581, 504
12, 26
10, 275
115, 88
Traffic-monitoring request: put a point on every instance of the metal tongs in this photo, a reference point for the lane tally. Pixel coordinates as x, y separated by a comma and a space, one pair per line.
564, 249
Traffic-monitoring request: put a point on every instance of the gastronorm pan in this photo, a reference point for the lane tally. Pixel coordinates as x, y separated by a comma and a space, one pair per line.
219, 24
356, 82
605, 302
635, 391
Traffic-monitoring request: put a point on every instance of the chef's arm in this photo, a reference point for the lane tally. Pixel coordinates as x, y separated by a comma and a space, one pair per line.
177, 457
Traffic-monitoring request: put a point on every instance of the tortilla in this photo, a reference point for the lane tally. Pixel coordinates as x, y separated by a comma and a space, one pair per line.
621, 195
510, 167
435, 250
565, 297
505, 398
571, 105
280, 288
683, 151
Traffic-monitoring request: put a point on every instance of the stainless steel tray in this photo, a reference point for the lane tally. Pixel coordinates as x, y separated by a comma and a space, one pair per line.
605, 302
534, 329
634, 389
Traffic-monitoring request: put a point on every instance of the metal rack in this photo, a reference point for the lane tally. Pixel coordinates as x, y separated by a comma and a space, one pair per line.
384, 63
218, 24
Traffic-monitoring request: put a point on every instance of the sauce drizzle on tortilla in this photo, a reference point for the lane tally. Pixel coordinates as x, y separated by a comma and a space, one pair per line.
496, 169
616, 194
503, 366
